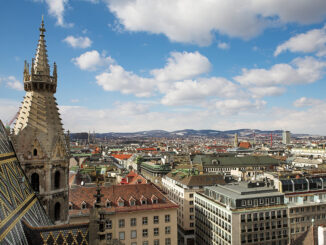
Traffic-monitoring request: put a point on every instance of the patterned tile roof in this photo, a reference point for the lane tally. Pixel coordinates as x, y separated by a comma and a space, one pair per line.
113, 193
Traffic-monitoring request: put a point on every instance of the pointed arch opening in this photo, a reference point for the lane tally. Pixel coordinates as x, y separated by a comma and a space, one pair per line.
35, 152
57, 209
57, 180
35, 182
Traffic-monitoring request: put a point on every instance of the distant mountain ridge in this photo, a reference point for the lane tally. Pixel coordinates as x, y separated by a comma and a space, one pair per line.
187, 133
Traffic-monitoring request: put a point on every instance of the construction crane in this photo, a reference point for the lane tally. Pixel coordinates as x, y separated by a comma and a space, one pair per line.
12, 120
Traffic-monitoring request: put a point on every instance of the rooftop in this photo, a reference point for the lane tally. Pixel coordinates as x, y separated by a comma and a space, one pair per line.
241, 190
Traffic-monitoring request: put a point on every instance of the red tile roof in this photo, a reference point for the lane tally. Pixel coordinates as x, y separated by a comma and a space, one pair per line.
133, 178
113, 193
246, 145
122, 156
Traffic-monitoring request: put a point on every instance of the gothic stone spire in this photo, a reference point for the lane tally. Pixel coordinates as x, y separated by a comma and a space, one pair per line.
40, 79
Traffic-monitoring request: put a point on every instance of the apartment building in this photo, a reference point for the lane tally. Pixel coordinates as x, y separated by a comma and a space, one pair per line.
241, 213
137, 214
181, 185
306, 201
213, 163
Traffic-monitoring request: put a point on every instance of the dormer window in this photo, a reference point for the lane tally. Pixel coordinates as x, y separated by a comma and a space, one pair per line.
143, 200
154, 199
83, 205
70, 205
121, 202
132, 201
108, 204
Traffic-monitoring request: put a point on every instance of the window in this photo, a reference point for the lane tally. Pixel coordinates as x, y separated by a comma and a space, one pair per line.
191, 210
145, 242
83, 205
243, 203
143, 200
191, 224
145, 220
57, 180
121, 235
191, 195
167, 218
35, 152
108, 204
145, 233
167, 229
133, 243
108, 224
156, 231
121, 203
156, 242
133, 234
191, 203
35, 182
109, 236
121, 223
167, 241
57, 208
155, 220
133, 222
191, 217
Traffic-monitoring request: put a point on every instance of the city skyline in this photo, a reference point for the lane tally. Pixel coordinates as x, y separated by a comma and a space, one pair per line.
144, 65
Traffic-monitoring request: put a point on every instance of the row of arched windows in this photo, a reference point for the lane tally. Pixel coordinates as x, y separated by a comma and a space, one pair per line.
35, 181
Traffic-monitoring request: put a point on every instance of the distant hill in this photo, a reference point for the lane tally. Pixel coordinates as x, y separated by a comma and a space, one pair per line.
185, 133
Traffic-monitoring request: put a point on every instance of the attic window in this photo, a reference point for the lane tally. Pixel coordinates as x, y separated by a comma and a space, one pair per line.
143, 200
108, 204
83, 205
70, 205
121, 202
154, 199
132, 201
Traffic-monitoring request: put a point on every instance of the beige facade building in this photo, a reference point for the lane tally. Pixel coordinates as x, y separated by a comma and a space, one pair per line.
41, 145
306, 201
241, 213
138, 214
181, 185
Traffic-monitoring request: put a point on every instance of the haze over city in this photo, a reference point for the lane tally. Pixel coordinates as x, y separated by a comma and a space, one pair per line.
221, 65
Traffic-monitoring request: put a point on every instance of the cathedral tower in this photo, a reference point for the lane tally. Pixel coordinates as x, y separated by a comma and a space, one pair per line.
40, 142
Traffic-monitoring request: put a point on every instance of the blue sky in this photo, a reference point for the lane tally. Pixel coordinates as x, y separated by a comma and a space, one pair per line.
131, 65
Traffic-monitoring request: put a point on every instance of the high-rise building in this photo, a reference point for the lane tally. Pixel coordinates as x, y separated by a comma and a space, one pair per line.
286, 137
40, 142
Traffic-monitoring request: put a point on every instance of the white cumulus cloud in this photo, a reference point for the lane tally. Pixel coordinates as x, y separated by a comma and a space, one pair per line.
309, 42
234, 106
192, 92
92, 60
78, 42
194, 21
300, 71
118, 79
223, 45
304, 101
259, 92
12, 82
56, 8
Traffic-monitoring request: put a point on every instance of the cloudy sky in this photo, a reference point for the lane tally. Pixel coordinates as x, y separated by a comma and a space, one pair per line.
131, 65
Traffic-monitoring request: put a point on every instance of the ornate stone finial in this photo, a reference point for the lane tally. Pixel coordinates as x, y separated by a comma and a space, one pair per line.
55, 72
41, 66
98, 194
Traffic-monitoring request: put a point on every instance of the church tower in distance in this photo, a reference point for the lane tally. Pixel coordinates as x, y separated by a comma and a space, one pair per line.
40, 142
